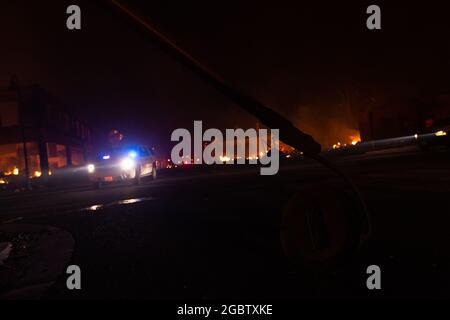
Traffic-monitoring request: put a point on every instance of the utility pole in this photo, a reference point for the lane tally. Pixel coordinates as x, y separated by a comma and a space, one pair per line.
14, 86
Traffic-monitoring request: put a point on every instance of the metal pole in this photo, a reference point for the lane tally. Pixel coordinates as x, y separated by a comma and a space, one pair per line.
290, 134
25, 155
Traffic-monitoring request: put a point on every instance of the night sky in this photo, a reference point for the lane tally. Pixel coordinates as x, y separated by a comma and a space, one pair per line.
296, 57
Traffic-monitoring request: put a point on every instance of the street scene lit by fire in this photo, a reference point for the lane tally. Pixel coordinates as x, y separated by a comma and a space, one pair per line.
205, 151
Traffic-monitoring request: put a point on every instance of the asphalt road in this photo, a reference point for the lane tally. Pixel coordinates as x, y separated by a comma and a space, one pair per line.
214, 232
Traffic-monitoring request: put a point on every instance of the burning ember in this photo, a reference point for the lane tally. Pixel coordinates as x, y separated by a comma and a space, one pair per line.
352, 140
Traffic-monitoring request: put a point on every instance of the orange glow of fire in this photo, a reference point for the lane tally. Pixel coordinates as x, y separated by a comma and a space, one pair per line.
356, 138
15, 172
351, 140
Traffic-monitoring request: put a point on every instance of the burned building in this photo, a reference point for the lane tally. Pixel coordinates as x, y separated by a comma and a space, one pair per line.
37, 134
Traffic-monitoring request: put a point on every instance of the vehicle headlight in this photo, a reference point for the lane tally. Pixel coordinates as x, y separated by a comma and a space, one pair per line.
90, 168
127, 164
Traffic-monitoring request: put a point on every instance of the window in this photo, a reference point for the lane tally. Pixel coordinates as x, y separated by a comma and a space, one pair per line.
77, 156
57, 156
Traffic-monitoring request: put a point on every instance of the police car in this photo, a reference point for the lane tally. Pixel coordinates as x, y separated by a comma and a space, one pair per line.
117, 164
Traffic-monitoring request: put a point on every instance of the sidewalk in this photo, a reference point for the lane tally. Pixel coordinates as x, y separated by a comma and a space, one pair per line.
38, 257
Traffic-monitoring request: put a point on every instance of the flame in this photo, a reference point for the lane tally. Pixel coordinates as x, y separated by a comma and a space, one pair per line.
224, 158
352, 139
355, 138
14, 171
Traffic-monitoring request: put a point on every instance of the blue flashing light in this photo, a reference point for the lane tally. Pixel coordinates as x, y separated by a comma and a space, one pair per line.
106, 157
132, 154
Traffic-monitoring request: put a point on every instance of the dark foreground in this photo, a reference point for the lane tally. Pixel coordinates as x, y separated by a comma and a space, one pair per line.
214, 232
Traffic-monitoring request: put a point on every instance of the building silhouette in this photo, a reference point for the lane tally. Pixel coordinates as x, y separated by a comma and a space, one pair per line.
38, 134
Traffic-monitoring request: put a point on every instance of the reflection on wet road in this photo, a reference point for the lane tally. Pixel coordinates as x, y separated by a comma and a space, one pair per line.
97, 207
